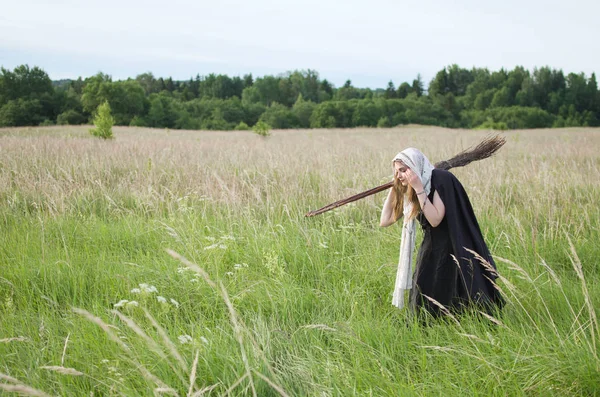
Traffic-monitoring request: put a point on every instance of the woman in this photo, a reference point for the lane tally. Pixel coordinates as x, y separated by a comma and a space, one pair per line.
454, 267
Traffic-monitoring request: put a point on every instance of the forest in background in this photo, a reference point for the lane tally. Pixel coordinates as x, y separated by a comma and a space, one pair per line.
456, 97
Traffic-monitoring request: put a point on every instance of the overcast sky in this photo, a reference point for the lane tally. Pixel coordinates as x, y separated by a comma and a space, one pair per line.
369, 41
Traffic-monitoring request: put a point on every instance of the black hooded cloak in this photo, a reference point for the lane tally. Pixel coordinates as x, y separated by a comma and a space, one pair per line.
445, 270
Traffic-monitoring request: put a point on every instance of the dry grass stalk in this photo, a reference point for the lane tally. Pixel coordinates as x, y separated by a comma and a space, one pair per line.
206, 389
513, 291
167, 341
165, 390
444, 310
62, 370
10, 379
238, 334
193, 373
492, 319
16, 339
319, 326
23, 389
149, 341
588, 302
236, 383
194, 267
464, 353
62, 359
106, 328
270, 382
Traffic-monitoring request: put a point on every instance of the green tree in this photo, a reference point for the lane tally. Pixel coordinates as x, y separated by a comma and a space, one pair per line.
346, 93
390, 91
324, 116
127, 98
303, 110
20, 112
279, 116
325, 91
162, 112
149, 84
366, 114
70, 117
261, 128
403, 90
103, 122
29, 95
418, 86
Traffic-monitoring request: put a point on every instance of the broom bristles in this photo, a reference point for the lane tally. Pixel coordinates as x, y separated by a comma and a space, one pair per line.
487, 148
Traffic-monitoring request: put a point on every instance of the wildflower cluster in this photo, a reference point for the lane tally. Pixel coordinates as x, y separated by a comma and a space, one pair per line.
113, 371
273, 263
218, 243
126, 303
237, 267
145, 290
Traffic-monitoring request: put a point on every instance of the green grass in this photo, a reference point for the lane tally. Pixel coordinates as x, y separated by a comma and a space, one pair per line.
310, 297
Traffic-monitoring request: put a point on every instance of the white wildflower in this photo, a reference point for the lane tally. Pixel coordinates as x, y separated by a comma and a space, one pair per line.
194, 280
323, 245
174, 302
229, 273
183, 339
136, 291
105, 361
228, 237
237, 266
121, 303
209, 238
222, 246
210, 247
132, 303
182, 270
148, 288
161, 299
204, 340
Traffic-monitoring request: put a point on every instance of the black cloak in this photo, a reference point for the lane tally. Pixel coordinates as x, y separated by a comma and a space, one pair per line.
446, 271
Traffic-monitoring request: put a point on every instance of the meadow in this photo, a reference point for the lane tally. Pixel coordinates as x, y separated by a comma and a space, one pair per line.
170, 262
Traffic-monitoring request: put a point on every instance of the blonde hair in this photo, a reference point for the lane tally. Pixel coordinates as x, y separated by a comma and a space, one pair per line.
398, 199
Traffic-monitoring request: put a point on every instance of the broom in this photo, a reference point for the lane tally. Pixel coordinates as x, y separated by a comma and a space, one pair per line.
488, 147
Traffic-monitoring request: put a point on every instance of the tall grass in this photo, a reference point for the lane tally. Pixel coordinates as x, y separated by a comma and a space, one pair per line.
180, 263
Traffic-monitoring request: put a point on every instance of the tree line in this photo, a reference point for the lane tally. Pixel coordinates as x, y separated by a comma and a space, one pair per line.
456, 97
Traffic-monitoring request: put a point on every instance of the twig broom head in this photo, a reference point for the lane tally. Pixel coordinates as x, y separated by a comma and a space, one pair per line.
483, 150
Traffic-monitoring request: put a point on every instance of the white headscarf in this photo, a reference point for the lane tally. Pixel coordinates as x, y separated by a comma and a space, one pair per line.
420, 165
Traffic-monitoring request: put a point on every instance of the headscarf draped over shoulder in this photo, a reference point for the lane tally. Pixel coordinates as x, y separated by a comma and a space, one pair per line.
420, 165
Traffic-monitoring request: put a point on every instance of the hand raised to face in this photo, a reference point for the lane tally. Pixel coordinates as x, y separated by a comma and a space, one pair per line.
412, 179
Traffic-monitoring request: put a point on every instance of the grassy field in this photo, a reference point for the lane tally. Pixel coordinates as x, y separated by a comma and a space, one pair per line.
266, 302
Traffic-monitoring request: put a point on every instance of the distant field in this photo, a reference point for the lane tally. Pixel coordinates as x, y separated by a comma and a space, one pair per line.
279, 304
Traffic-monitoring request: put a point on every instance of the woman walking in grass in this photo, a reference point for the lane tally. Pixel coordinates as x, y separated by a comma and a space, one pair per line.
454, 268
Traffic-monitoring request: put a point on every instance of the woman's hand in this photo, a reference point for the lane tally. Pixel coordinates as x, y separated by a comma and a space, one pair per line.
413, 180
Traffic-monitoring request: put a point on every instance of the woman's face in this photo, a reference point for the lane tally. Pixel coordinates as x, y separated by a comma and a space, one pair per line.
400, 172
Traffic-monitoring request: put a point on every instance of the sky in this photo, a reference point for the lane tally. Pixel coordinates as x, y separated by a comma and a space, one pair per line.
369, 42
